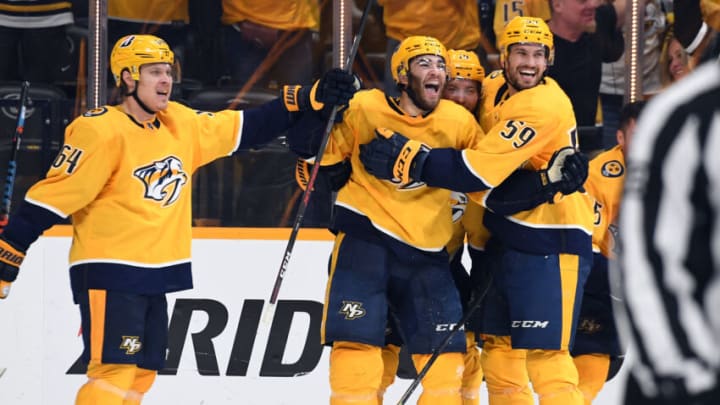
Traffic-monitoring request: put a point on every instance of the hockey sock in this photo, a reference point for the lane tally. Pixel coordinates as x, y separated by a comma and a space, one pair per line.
592, 371
356, 370
554, 377
107, 384
441, 384
505, 371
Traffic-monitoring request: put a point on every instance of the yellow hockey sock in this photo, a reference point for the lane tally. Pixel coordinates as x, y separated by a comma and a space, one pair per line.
505, 371
554, 377
107, 384
592, 370
473, 374
144, 379
356, 370
441, 384
391, 360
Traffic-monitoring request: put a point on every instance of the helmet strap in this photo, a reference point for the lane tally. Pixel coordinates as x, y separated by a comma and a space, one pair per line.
140, 103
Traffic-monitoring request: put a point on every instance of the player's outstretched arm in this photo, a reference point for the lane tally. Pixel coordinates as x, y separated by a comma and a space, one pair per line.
264, 123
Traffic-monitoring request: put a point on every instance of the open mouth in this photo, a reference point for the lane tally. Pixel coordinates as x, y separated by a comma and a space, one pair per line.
432, 88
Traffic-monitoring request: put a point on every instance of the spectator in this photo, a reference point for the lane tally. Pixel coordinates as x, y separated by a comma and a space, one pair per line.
612, 84
697, 23
167, 19
669, 254
33, 43
585, 36
251, 29
455, 23
674, 60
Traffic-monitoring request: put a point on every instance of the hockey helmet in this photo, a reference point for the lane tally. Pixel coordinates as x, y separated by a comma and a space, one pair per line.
465, 65
526, 30
132, 51
411, 47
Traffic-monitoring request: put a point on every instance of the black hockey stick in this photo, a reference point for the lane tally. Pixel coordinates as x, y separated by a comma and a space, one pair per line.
470, 311
12, 164
313, 174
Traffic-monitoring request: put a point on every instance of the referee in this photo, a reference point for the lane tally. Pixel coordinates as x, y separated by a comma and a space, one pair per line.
669, 261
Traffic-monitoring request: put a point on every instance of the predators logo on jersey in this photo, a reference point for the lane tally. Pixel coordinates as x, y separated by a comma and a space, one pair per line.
131, 344
163, 179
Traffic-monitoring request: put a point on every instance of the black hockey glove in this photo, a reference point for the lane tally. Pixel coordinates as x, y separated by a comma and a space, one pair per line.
10, 260
329, 178
336, 87
566, 172
392, 156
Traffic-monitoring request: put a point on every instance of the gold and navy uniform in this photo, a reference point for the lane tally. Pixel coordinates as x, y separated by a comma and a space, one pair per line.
285, 15
605, 184
414, 214
454, 23
531, 125
596, 331
126, 186
142, 11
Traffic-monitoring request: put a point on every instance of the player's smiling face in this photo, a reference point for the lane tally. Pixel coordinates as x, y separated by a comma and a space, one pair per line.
525, 65
155, 85
426, 78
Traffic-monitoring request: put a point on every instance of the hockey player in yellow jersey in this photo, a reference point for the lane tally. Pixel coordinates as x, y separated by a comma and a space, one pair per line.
391, 237
597, 353
124, 178
541, 256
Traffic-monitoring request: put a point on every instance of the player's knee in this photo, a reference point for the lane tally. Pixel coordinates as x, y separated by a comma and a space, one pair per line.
559, 386
441, 384
356, 370
592, 372
107, 384
144, 379
473, 374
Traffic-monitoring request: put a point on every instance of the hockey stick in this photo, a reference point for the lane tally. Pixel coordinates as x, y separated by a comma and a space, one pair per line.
470, 311
12, 164
313, 174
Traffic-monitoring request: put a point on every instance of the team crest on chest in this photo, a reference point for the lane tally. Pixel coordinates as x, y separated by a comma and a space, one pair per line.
163, 179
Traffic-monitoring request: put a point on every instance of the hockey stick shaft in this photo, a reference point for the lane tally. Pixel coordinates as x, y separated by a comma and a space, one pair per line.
436, 353
12, 164
313, 174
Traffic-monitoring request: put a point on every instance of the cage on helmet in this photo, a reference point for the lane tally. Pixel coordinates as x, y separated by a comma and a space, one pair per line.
132, 51
464, 65
411, 47
526, 30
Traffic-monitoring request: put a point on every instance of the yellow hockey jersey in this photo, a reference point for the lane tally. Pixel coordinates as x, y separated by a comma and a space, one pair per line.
529, 127
605, 181
506, 10
414, 214
283, 15
156, 11
455, 23
127, 187
469, 226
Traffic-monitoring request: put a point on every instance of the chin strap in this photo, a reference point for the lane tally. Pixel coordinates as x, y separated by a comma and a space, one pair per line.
140, 103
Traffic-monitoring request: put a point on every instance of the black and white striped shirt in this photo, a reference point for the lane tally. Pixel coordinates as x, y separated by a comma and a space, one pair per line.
669, 258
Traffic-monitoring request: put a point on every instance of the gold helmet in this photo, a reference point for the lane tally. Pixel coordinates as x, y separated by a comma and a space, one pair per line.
465, 65
526, 30
411, 47
132, 51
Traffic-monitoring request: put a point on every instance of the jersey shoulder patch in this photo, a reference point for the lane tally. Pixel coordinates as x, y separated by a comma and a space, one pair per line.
612, 168
95, 112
